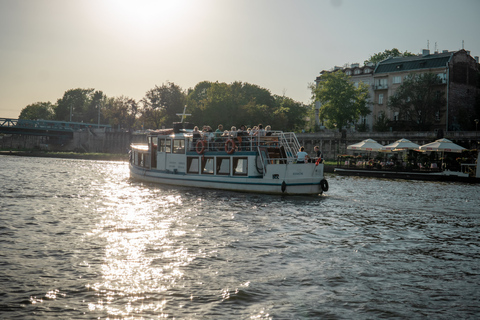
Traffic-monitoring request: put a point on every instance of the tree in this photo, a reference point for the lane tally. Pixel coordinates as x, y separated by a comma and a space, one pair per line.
341, 102
121, 112
238, 103
161, 104
382, 124
377, 57
418, 100
38, 111
78, 104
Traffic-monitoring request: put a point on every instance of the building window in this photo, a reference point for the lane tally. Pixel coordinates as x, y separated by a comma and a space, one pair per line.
395, 116
357, 71
348, 73
397, 79
381, 83
442, 77
380, 98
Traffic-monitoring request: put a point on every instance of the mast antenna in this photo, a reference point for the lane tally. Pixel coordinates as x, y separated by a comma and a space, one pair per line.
183, 115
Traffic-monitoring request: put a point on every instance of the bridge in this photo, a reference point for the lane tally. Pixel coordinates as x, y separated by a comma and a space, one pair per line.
50, 128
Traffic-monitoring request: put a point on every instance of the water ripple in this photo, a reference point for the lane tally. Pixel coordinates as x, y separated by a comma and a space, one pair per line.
80, 240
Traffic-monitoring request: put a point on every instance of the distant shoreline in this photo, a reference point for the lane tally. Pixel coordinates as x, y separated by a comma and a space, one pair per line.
89, 156
68, 155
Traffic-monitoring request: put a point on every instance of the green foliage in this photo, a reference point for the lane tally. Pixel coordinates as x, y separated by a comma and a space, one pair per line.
38, 111
161, 104
377, 57
341, 102
382, 123
418, 100
213, 103
82, 103
210, 103
121, 112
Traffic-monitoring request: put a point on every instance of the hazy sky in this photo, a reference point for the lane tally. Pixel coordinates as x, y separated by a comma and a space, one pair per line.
126, 47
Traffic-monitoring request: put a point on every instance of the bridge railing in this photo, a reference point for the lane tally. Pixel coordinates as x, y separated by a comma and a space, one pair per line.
50, 125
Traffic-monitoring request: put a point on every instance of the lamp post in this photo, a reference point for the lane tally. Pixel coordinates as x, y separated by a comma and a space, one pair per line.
476, 125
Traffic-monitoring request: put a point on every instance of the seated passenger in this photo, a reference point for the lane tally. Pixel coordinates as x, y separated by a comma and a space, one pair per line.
302, 156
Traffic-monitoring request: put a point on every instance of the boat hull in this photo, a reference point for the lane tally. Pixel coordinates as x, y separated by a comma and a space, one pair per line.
287, 184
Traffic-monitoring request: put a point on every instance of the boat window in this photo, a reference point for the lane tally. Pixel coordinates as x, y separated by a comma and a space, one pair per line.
179, 146
240, 166
207, 165
192, 164
223, 165
165, 145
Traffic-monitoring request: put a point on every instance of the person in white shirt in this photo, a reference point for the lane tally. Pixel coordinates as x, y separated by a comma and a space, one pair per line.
302, 156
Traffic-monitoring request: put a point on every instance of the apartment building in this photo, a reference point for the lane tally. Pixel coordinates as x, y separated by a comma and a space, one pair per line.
457, 72
457, 75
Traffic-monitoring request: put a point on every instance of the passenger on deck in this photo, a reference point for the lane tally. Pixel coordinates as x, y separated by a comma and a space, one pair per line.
268, 131
196, 137
261, 131
242, 137
318, 153
302, 156
218, 137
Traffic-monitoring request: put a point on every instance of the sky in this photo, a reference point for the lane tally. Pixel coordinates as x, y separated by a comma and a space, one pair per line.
127, 47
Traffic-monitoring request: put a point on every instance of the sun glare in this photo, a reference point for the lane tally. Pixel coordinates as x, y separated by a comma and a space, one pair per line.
147, 14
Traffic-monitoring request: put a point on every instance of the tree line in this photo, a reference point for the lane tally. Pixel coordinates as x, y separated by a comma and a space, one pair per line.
209, 103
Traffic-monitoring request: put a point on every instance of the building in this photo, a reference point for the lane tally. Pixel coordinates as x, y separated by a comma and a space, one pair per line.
458, 75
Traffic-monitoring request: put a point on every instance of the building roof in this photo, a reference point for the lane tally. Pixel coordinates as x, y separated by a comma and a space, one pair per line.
402, 64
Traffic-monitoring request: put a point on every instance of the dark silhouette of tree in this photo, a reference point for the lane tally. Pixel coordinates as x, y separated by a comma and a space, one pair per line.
161, 104
38, 111
380, 56
418, 100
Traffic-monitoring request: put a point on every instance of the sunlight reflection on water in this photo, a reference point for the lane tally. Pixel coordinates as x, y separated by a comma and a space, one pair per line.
108, 247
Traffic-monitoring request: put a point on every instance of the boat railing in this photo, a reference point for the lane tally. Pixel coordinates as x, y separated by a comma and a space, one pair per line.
248, 143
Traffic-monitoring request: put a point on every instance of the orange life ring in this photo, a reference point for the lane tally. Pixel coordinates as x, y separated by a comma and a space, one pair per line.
319, 160
230, 149
200, 147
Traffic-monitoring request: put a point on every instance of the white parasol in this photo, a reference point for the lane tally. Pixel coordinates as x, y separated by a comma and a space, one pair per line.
402, 144
366, 145
443, 145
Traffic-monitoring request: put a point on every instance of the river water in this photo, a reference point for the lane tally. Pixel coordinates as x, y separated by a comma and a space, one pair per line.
80, 240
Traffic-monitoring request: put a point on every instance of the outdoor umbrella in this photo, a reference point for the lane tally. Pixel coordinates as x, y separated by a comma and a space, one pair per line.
402, 144
443, 145
366, 145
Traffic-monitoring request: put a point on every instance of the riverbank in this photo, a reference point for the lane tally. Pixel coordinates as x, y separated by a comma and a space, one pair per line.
68, 155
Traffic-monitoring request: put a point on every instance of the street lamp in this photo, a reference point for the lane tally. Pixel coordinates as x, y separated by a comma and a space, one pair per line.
476, 125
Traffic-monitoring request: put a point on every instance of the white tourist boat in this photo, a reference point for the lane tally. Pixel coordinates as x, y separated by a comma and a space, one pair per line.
265, 164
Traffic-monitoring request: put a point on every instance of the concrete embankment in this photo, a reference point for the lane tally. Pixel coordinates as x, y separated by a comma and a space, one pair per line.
68, 155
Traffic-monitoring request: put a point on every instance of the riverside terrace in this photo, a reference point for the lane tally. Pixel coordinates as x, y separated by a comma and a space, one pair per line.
413, 165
